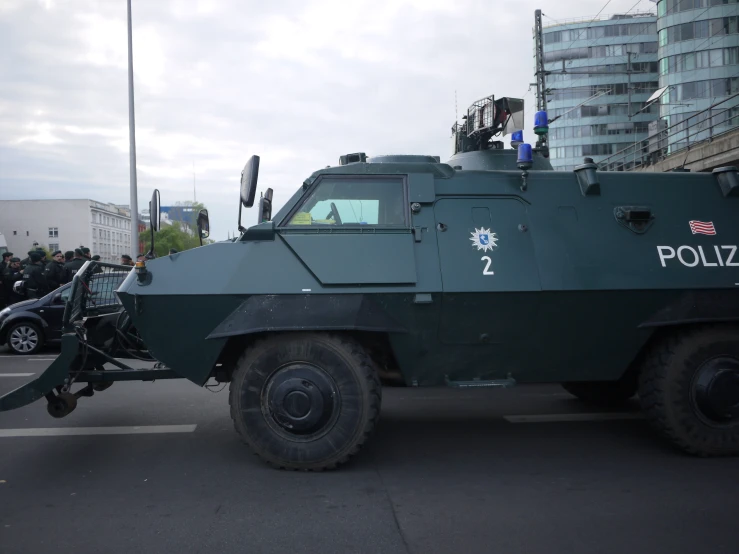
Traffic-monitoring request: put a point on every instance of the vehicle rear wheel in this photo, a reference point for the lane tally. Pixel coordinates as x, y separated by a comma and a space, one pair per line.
689, 390
305, 401
25, 338
604, 393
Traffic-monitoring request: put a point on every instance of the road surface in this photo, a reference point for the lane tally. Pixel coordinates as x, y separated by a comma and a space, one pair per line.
157, 467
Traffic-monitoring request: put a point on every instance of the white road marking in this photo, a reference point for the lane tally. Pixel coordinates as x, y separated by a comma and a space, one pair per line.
552, 418
306, 290
70, 431
16, 374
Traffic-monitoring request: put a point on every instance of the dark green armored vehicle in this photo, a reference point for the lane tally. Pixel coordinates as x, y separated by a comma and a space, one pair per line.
488, 270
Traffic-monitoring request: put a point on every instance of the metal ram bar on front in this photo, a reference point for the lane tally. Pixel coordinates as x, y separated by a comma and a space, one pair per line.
53, 377
92, 299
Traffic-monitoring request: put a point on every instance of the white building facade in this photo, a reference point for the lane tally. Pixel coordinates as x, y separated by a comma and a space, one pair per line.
65, 225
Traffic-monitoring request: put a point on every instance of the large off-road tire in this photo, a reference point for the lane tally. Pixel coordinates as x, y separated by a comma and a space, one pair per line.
689, 390
305, 401
604, 394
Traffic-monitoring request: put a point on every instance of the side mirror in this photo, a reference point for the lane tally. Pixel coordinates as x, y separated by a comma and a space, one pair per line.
154, 220
203, 225
265, 206
249, 181
248, 185
155, 211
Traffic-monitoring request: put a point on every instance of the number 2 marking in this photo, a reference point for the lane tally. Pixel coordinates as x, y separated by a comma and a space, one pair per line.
487, 271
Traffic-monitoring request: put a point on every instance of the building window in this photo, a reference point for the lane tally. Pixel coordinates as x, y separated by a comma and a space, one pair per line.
53, 246
15, 232
699, 30
53, 232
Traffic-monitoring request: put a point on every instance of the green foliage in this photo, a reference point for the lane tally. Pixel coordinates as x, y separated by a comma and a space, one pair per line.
176, 235
45, 248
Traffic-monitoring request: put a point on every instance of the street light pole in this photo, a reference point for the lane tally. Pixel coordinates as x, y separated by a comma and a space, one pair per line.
132, 146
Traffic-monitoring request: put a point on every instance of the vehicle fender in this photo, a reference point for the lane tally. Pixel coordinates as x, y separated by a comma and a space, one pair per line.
21, 316
703, 306
316, 312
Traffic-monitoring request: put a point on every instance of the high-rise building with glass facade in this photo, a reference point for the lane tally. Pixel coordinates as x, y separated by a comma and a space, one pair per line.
592, 65
699, 63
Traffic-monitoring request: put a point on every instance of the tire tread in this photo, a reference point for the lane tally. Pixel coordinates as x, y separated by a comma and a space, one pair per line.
367, 373
654, 380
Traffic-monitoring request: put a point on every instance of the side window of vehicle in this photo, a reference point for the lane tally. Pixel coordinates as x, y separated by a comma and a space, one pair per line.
65, 294
359, 201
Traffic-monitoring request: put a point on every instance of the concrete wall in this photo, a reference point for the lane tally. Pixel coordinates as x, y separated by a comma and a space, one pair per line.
25, 221
705, 156
103, 228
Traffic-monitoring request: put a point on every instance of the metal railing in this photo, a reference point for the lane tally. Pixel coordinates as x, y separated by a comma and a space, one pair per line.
93, 291
602, 17
701, 127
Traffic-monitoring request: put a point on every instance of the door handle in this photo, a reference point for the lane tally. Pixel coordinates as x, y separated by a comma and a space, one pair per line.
635, 218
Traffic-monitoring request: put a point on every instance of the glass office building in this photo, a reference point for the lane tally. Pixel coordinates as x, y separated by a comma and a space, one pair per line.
699, 63
589, 63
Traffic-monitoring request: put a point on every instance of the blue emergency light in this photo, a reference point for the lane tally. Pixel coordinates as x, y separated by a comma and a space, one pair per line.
541, 123
516, 138
525, 156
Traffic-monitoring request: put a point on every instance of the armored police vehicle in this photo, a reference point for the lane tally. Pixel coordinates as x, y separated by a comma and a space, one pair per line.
488, 270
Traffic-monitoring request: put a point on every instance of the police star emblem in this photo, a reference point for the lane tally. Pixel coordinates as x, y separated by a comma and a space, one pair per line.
483, 239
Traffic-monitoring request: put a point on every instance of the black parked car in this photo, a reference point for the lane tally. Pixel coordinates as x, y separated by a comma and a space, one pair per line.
28, 325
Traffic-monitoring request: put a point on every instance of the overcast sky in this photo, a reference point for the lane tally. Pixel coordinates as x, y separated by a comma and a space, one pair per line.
297, 82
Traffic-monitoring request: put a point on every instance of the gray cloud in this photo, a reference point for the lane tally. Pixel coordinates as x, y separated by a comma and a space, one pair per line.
299, 83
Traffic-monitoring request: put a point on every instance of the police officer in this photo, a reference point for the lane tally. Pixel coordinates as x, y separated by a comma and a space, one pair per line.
55, 272
68, 255
95, 258
6, 262
11, 274
126, 260
41, 251
3, 289
34, 280
27, 260
86, 252
75, 264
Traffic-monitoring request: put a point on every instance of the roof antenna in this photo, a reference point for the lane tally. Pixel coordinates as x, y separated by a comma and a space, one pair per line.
194, 195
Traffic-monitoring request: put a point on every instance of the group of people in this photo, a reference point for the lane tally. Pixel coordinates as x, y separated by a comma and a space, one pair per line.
39, 275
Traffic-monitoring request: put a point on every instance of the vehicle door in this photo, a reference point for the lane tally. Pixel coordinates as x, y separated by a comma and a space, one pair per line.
489, 277
353, 231
53, 312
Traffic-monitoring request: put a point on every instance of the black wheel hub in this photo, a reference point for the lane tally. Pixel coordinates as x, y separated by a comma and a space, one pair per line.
301, 399
716, 390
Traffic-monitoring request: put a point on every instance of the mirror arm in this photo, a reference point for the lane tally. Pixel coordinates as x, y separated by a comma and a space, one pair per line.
150, 254
241, 229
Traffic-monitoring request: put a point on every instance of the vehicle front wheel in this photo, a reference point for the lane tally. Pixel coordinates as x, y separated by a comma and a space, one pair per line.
689, 390
305, 401
25, 338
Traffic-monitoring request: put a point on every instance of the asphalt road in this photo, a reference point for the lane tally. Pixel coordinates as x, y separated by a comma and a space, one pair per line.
446, 472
